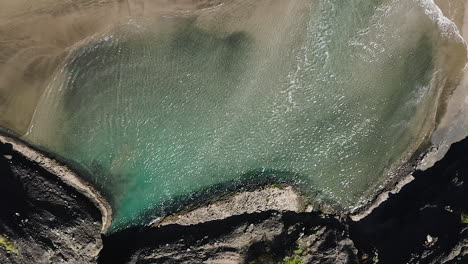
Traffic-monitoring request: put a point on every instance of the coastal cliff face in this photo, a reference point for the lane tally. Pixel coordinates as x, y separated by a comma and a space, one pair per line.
266, 237
42, 220
425, 222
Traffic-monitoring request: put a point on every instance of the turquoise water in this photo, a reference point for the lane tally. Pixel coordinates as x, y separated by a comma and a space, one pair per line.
330, 96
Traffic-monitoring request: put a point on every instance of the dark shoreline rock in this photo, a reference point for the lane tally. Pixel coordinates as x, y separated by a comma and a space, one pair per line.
266, 237
423, 222
44, 220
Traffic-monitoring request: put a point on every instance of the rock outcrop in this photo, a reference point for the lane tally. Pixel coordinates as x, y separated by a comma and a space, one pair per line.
267, 237
426, 221
43, 220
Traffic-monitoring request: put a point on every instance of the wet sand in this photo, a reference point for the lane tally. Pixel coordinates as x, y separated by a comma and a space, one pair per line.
453, 127
36, 37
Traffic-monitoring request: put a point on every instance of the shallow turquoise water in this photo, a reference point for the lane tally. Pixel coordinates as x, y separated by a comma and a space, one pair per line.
327, 95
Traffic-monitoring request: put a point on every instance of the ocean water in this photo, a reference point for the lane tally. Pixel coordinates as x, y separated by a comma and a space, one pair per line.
176, 107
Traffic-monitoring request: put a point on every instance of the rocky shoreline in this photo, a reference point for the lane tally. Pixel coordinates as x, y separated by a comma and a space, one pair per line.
46, 219
43, 219
64, 173
424, 222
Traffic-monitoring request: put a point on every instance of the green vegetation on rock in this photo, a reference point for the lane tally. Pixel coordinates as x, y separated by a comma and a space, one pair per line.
375, 259
292, 260
8, 245
296, 258
464, 218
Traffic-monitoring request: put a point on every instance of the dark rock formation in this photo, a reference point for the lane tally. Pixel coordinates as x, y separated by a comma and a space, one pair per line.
425, 222
267, 237
42, 220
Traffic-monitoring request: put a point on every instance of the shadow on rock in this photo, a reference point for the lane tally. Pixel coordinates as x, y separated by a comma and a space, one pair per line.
43, 220
424, 222
266, 237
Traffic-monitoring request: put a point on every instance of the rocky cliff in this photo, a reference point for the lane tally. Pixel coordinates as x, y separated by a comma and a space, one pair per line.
45, 220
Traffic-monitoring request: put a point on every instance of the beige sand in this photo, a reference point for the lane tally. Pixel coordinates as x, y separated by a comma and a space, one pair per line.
36, 36
453, 127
